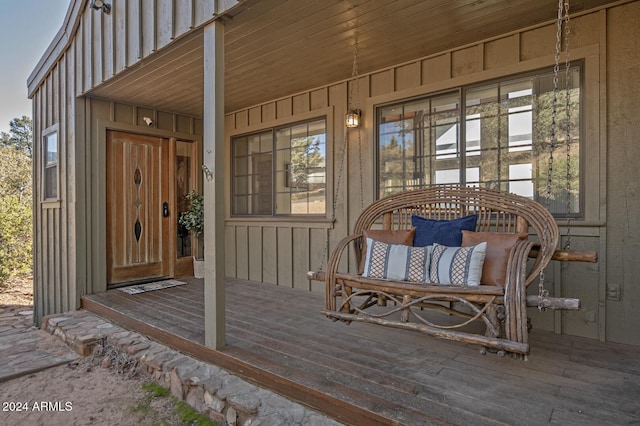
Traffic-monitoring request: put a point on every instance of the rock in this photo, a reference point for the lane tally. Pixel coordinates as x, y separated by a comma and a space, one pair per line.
232, 416
213, 403
195, 398
176, 385
106, 362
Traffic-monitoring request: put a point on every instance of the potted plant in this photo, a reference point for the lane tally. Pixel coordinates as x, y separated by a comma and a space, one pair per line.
193, 221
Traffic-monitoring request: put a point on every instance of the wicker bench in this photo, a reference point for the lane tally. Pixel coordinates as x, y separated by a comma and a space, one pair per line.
402, 304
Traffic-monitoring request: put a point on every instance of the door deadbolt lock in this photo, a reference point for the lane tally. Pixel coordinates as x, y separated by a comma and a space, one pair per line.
165, 209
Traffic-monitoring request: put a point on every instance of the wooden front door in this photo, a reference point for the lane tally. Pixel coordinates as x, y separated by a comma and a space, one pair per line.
139, 212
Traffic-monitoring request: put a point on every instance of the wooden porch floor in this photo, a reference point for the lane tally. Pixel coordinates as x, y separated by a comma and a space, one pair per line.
367, 374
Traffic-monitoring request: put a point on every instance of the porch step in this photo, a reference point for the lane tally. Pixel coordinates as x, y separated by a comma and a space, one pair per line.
222, 396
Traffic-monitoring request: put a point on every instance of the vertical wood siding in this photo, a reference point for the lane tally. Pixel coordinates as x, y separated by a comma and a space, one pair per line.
69, 235
279, 252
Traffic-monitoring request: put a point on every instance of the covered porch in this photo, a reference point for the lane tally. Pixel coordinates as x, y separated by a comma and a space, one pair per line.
365, 374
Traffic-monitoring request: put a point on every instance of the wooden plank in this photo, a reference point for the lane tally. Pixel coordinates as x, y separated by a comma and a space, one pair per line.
284, 108
230, 244
319, 98
183, 14
268, 112
315, 375
213, 149
318, 256
554, 302
159, 314
284, 247
288, 388
502, 52
242, 252
164, 22
326, 361
382, 83
500, 344
255, 116
300, 259
570, 255
269, 254
408, 76
97, 51
255, 253
301, 103
467, 61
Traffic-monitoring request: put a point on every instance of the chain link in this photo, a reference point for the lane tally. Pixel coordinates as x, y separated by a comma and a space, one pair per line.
350, 106
563, 18
355, 103
567, 72
335, 197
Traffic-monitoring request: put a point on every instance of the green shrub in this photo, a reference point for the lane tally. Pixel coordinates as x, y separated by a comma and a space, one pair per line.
15, 213
193, 219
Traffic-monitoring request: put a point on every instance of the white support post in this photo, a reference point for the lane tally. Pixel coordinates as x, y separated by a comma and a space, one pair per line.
213, 159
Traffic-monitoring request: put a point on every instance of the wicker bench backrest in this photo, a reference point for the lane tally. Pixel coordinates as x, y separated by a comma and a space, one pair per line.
497, 211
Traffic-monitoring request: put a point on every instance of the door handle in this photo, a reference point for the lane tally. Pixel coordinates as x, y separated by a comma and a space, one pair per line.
165, 209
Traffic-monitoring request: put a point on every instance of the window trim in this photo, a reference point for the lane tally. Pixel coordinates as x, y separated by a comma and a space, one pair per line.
273, 127
43, 181
461, 87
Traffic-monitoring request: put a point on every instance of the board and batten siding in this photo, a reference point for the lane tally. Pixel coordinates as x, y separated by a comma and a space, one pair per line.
280, 250
89, 49
70, 234
107, 45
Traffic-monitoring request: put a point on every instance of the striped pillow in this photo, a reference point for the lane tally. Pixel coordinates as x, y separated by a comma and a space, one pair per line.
457, 265
396, 262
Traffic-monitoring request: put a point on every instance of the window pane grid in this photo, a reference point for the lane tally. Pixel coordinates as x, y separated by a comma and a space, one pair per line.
504, 143
287, 176
50, 166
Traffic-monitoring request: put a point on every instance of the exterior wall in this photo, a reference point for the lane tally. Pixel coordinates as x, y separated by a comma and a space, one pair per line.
136, 29
283, 250
91, 48
280, 251
623, 185
69, 256
70, 234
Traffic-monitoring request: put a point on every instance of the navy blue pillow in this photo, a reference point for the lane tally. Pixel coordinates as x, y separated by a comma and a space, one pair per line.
444, 232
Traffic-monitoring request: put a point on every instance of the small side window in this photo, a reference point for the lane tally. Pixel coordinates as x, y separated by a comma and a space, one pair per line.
50, 161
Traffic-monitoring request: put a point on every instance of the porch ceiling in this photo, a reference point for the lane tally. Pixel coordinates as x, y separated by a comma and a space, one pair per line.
274, 48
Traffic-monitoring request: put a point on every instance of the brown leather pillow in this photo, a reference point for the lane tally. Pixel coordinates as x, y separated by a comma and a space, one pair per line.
399, 236
499, 245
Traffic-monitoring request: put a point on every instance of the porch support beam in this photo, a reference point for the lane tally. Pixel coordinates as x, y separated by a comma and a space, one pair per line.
213, 160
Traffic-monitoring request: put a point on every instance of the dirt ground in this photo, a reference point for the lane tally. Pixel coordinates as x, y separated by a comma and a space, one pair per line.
78, 393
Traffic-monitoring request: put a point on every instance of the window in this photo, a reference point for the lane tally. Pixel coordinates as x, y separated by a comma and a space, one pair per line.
50, 159
493, 134
281, 171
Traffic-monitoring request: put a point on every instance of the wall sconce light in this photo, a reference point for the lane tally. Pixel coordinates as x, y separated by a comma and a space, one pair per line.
352, 118
100, 5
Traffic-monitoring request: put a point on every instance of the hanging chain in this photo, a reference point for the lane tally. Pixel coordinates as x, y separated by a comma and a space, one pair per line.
361, 173
567, 72
343, 155
335, 198
354, 100
563, 17
354, 86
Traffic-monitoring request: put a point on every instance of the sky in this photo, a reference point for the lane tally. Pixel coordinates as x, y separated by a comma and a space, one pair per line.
27, 27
